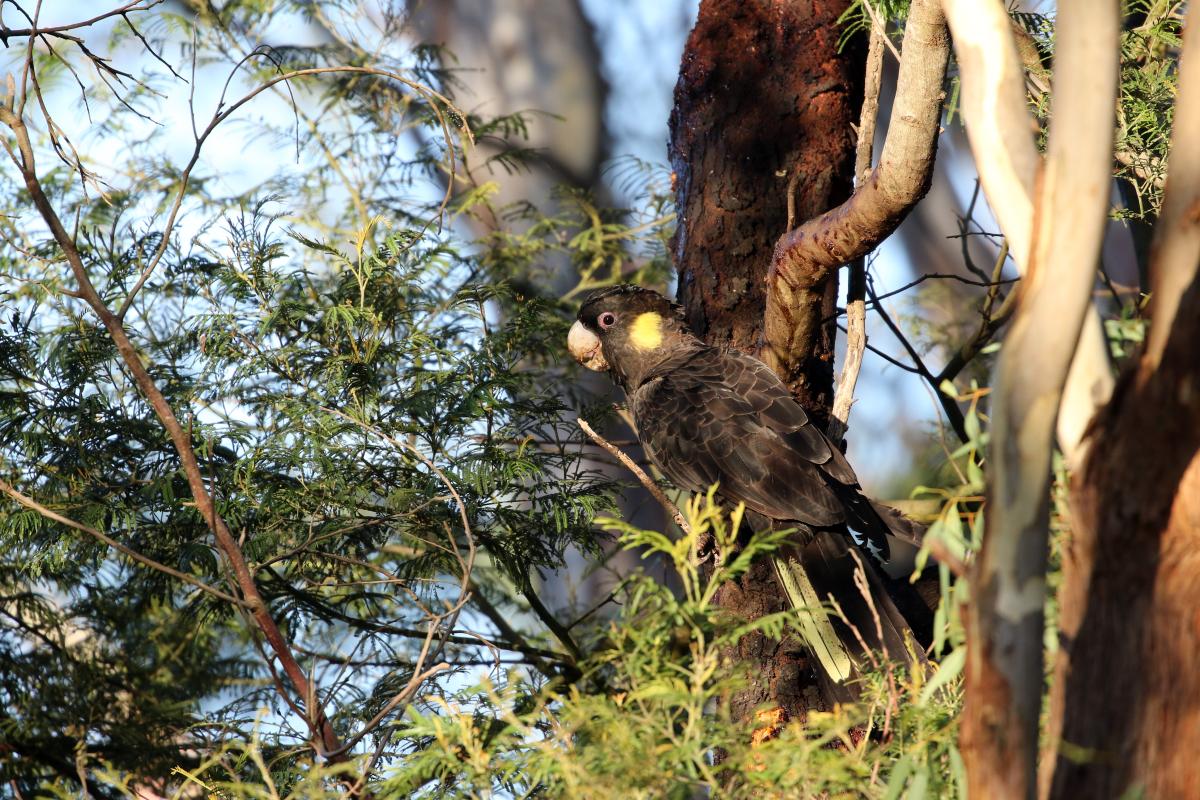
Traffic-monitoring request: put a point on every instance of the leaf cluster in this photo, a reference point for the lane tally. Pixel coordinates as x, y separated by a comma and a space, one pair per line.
649, 719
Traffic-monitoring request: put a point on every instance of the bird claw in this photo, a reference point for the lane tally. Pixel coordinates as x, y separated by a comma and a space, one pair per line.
707, 550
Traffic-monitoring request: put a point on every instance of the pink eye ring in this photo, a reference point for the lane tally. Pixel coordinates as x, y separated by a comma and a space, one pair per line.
606, 320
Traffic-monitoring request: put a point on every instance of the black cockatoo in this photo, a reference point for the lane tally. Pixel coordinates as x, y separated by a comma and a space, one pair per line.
708, 415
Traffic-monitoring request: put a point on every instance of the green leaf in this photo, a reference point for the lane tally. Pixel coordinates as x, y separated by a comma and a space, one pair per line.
949, 668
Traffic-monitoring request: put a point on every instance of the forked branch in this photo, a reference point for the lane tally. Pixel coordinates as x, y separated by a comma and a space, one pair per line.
805, 256
1055, 236
1001, 132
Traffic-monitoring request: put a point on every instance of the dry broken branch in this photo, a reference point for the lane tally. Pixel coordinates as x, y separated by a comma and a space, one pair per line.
856, 288
653, 488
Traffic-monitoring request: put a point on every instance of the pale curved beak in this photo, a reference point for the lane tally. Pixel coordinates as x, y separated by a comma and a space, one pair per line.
585, 347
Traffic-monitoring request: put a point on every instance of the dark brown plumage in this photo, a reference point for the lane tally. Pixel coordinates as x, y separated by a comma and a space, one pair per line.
707, 415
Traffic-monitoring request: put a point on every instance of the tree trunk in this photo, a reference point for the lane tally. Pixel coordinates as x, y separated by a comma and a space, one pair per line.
1127, 688
764, 101
1125, 705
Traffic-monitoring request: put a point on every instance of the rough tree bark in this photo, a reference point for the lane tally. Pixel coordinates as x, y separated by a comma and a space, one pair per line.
764, 100
1129, 623
1135, 575
762, 137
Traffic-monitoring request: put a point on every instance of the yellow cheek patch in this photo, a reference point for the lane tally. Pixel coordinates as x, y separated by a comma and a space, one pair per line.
646, 331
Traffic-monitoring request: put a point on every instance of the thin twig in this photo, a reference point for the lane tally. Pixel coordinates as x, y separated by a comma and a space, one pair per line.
516, 639
57, 30
988, 324
860, 581
879, 28
953, 412
640, 474
445, 622
191, 580
838, 312
438, 103
895, 362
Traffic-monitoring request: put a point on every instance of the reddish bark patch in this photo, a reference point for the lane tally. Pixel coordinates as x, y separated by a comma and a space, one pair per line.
1130, 660
763, 93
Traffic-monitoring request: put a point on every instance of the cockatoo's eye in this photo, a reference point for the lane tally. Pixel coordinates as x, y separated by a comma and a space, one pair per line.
607, 320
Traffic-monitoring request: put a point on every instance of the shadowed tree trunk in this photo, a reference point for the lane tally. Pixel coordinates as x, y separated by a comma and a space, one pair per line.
1136, 524
764, 100
763, 147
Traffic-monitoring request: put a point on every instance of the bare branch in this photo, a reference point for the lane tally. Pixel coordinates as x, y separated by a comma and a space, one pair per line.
805, 256
640, 474
949, 404
1060, 246
856, 288
59, 30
